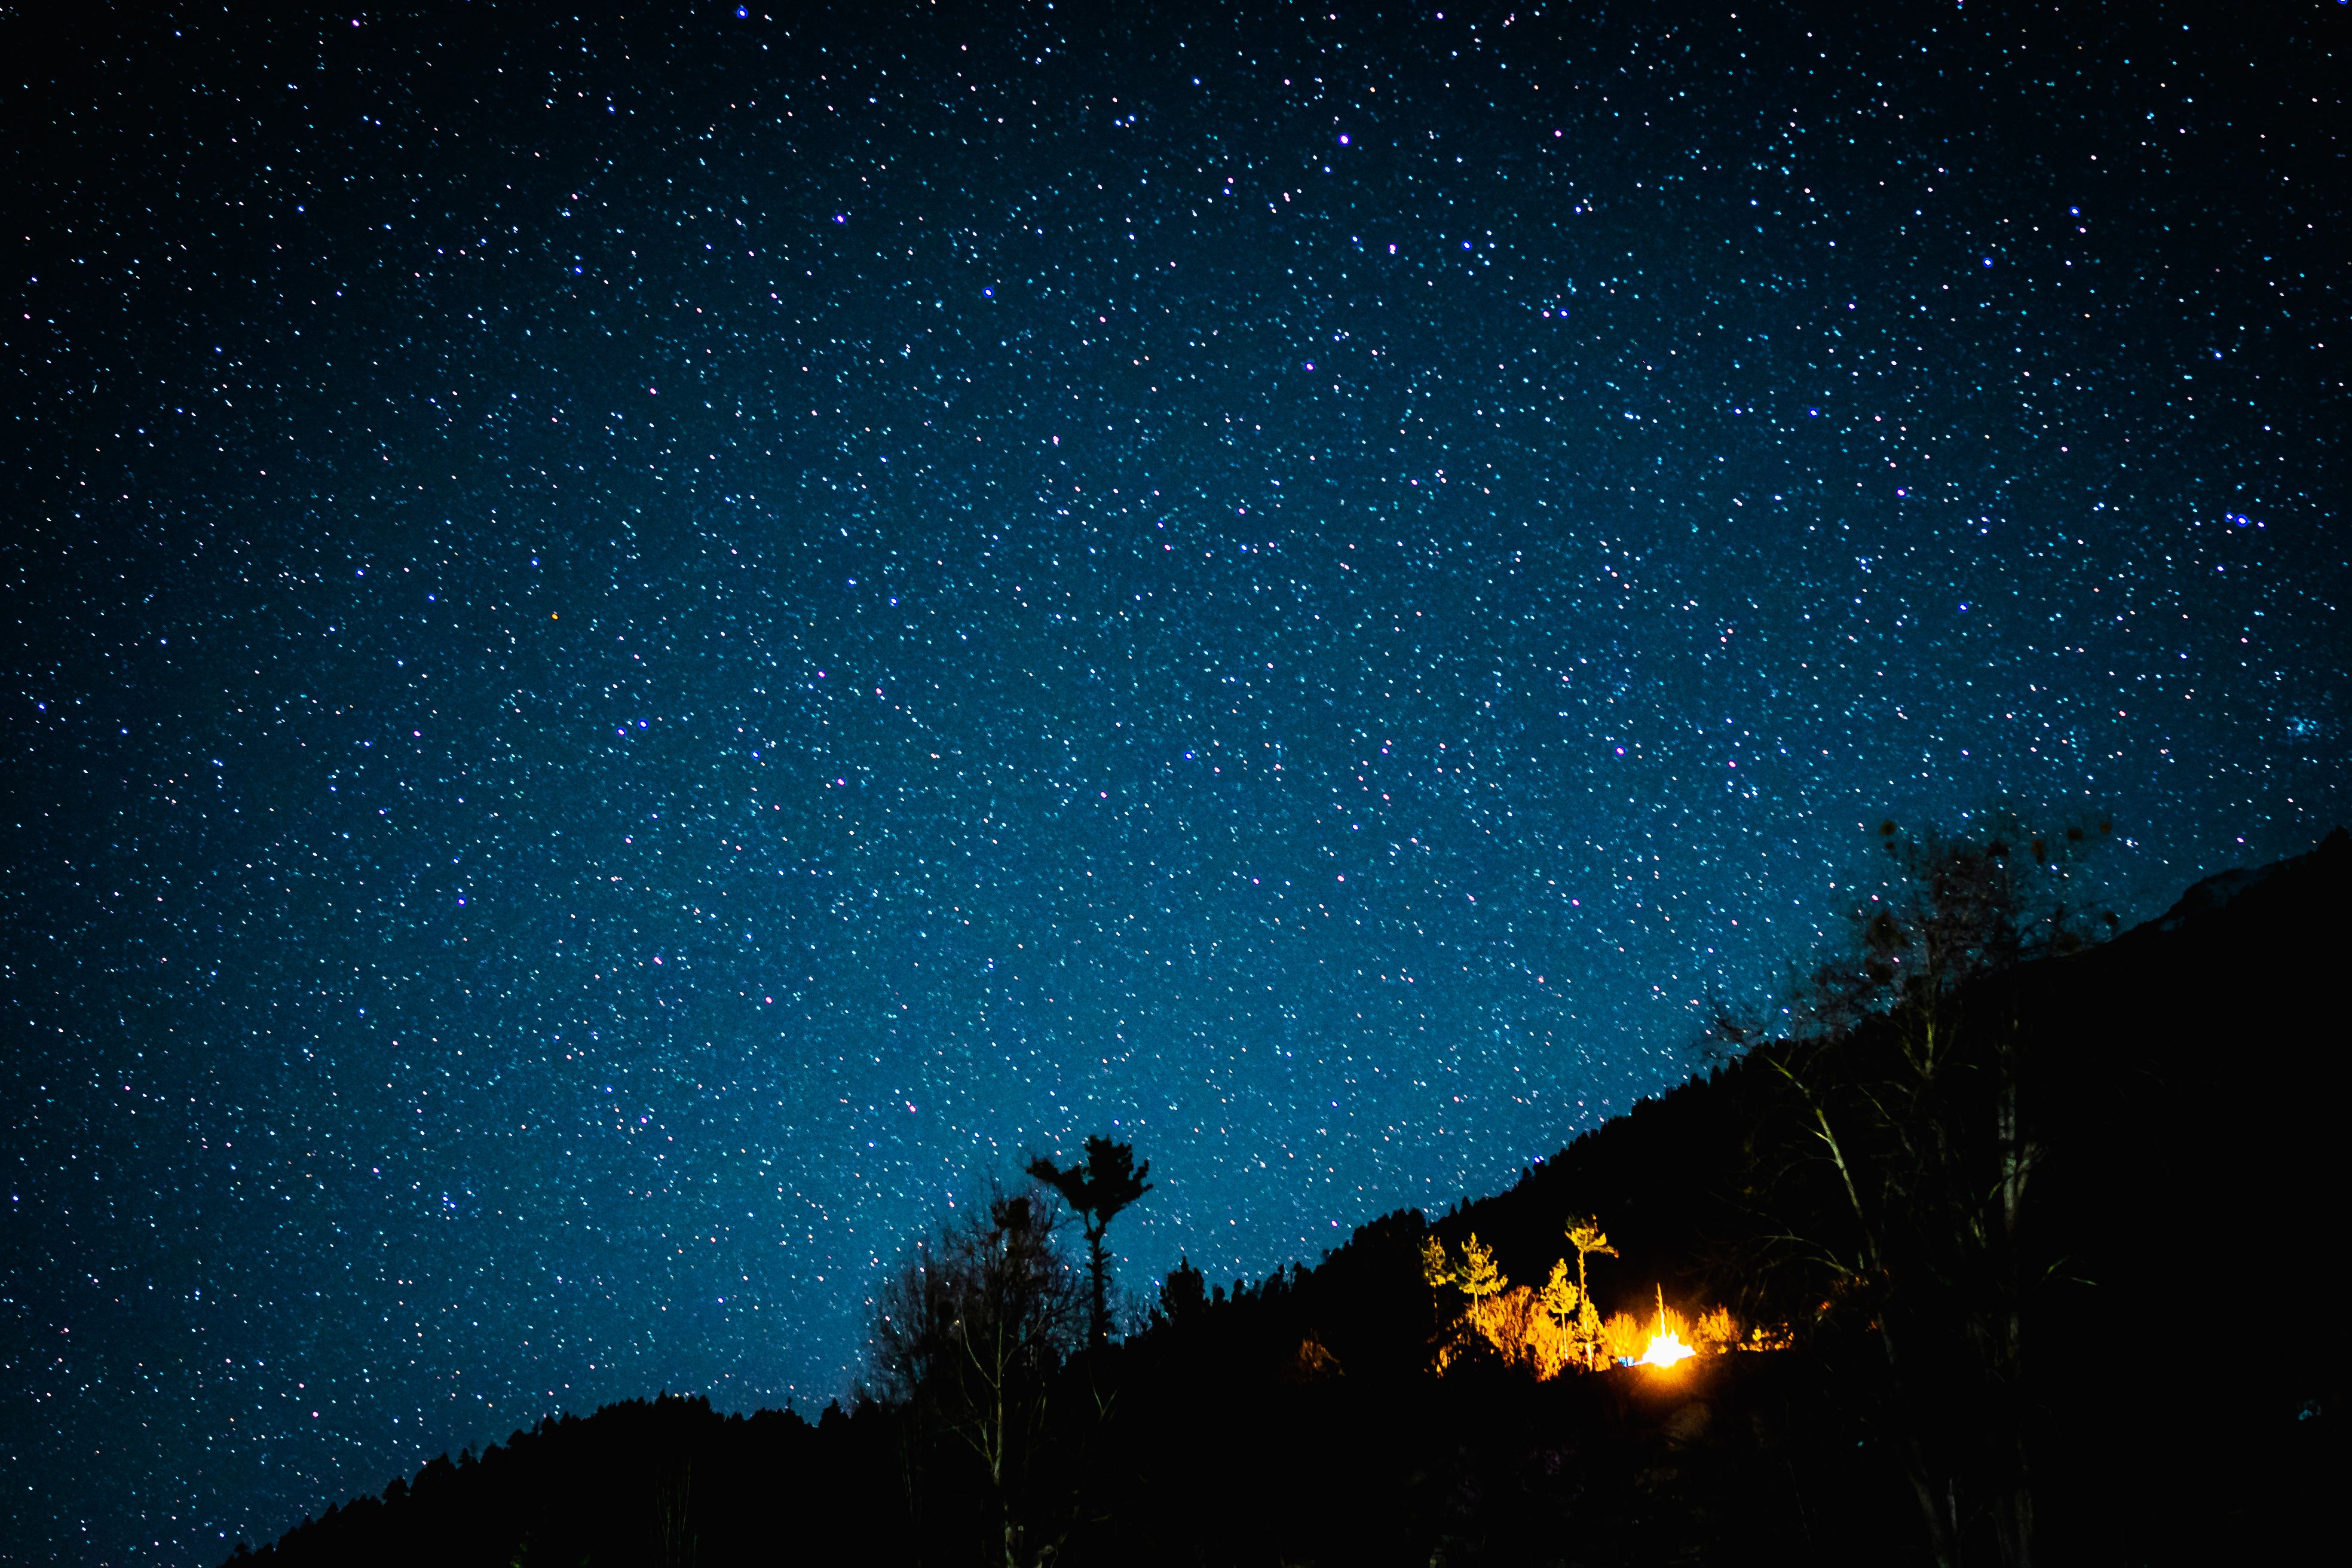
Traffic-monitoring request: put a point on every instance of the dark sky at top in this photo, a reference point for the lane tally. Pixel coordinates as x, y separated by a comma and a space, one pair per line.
637, 651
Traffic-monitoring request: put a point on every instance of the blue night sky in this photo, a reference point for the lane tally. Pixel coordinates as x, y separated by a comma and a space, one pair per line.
639, 651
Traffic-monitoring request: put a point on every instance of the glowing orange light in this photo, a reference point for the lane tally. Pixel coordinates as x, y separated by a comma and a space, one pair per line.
1667, 1346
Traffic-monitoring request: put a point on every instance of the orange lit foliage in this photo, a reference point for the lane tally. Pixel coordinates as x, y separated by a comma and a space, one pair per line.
1624, 1337
1472, 1272
1532, 1329
1515, 1321
1717, 1331
1524, 1334
1549, 1331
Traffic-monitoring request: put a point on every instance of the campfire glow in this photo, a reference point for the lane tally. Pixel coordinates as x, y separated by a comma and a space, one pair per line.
1559, 1329
1667, 1346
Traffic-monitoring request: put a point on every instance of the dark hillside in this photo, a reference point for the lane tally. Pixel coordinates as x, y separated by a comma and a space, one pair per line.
2189, 1056
666, 1481
2194, 1064
2180, 1082
2185, 1077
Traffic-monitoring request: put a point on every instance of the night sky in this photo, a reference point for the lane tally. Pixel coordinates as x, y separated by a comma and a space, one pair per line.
639, 651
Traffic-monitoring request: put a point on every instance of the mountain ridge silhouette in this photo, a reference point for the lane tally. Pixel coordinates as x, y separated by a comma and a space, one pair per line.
2171, 1426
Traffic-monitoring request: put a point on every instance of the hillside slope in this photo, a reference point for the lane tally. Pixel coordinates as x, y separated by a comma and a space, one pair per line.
2183, 1082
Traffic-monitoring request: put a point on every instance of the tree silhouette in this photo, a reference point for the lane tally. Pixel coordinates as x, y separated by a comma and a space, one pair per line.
1184, 1293
1097, 1192
1907, 1073
968, 1337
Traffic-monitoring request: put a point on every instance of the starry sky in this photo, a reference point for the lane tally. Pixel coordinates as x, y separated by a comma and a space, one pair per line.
639, 650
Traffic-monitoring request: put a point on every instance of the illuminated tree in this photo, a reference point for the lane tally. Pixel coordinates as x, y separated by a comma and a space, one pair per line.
1623, 1337
1718, 1330
1585, 1236
1097, 1192
1314, 1362
1522, 1333
1436, 1269
1474, 1274
1559, 1299
1479, 1278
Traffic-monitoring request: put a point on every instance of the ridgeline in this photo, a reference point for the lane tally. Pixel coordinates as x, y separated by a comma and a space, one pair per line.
2177, 1111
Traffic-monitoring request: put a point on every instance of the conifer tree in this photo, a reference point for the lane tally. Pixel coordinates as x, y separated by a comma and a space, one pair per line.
1184, 1292
1480, 1279
1561, 1298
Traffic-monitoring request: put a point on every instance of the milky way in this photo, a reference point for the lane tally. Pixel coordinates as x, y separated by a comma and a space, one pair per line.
641, 651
